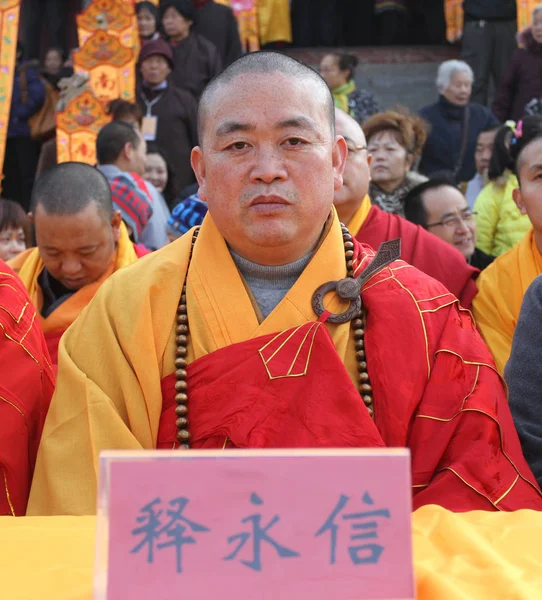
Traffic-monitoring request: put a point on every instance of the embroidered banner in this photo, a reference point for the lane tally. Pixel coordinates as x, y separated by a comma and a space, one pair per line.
454, 20
78, 126
247, 16
9, 24
109, 45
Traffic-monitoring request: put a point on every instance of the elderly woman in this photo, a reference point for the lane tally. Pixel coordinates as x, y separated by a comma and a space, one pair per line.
455, 124
394, 140
338, 70
196, 59
522, 82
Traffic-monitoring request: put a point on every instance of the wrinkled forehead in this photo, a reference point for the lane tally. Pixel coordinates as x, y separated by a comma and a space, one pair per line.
264, 99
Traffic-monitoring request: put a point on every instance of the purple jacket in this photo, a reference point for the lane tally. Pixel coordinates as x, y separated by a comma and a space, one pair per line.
21, 111
522, 80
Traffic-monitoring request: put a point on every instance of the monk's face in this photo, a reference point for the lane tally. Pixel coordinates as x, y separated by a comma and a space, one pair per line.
529, 196
356, 176
76, 249
269, 165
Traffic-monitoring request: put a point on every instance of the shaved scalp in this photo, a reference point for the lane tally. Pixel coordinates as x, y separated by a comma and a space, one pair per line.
257, 63
350, 124
69, 188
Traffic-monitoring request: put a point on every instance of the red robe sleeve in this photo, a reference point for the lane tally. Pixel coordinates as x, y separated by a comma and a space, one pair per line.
26, 387
422, 250
437, 392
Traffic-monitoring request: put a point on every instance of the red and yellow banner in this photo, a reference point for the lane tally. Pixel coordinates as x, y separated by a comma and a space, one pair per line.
109, 46
9, 24
77, 128
247, 17
525, 12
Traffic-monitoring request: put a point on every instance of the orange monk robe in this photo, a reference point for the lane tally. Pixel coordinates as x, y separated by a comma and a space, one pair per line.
29, 265
419, 248
501, 288
26, 386
435, 389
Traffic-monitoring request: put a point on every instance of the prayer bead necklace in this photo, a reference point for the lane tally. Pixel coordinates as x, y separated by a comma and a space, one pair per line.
182, 331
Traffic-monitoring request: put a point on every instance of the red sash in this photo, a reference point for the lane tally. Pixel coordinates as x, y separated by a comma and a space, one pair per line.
269, 392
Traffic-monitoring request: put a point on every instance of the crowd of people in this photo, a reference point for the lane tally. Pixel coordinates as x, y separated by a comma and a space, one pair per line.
215, 280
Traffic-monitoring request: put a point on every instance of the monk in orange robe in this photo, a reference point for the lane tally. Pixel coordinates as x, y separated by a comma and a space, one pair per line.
81, 241
251, 332
504, 283
371, 225
26, 386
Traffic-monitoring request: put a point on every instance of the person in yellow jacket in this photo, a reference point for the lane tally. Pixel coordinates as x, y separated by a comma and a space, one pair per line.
502, 285
500, 223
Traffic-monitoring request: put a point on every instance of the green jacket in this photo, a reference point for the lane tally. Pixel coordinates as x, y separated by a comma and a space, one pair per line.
500, 224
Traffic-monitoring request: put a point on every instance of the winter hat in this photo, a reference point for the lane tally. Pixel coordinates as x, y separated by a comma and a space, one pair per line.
133, 203
158, 47
187, 214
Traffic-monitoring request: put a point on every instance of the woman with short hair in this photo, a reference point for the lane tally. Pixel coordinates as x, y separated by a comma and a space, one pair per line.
455, 123
394, 140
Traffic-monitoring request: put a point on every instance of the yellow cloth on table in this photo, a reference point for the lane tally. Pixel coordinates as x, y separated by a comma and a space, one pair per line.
29, 265
467, 556
109, 396
501, 288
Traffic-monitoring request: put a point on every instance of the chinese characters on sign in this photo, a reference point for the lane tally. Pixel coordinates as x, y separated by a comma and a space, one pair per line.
158, 530
256, 524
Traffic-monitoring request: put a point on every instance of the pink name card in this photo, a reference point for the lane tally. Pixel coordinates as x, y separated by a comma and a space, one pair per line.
255, 525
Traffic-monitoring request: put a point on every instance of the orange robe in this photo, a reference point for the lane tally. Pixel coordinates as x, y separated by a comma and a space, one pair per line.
435, 387
29, 266
26, 387
419, 248
501, 289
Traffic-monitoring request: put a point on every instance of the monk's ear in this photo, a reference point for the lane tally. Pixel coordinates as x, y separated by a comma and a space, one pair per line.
198, 166
516, 195
340, 152
116, 220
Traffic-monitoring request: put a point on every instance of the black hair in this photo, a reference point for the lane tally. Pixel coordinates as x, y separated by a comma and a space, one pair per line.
346, 62
263, 62
121, 110
531, 130
149, 7
68, 188
168, 193
12, 216
413, 202
111, 140
185, 8
152, 9
500, 155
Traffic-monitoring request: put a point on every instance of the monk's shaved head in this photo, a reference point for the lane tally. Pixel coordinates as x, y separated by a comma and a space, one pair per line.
71, 187
349, 128
258, 63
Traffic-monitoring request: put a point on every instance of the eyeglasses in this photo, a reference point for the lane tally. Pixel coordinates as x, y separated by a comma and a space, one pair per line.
454, 221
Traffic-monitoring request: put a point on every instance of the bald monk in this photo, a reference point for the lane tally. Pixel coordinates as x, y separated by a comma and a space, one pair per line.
215, 342
504, 283
26, 387
371, 225
81, 241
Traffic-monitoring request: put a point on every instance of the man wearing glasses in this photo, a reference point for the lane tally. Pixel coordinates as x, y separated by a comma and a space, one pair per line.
438, 206
371, 225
